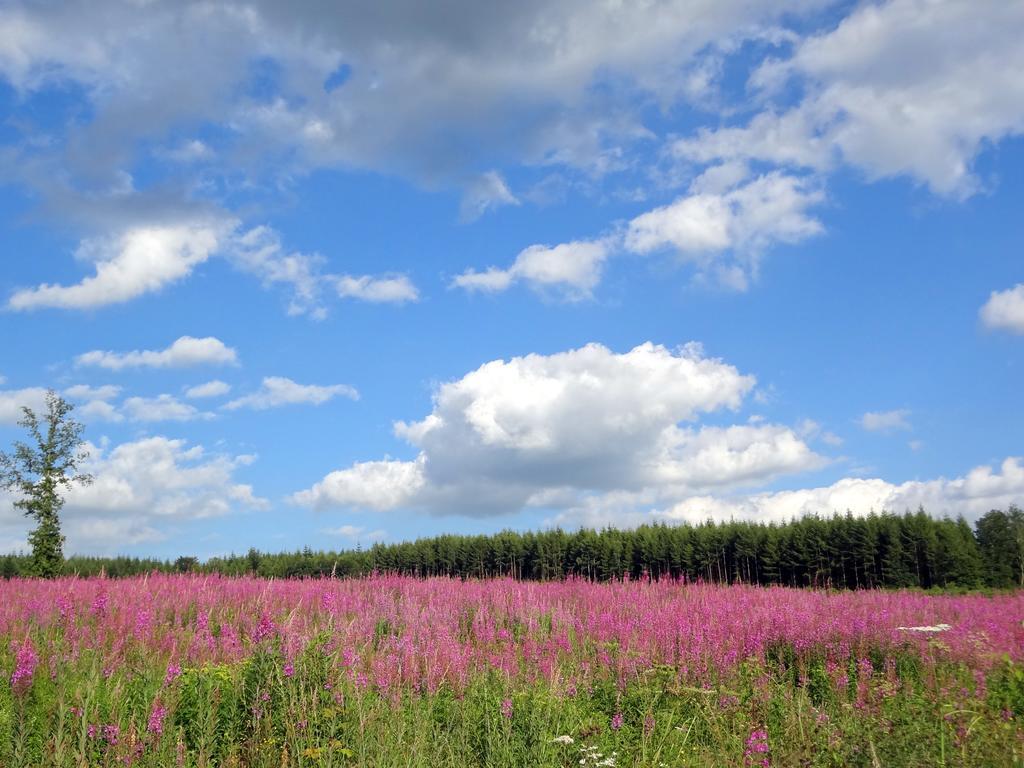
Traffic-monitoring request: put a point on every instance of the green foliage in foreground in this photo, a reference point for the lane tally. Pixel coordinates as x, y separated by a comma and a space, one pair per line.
267, 713
897, 551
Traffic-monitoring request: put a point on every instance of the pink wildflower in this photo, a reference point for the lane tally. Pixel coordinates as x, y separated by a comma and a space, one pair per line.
111, 733
173, 673
99, 605
506, 709
25, 666
289, 669
264, 629
156, 719
616, 721
756, 752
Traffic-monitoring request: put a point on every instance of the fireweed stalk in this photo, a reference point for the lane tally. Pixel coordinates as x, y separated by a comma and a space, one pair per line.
198, 670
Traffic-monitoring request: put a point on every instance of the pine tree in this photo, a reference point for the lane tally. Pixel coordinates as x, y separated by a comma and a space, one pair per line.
1002, 546
895, 572
39, 472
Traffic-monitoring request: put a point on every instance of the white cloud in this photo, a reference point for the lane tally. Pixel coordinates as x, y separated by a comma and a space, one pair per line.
393, 289
574, 267
578, 422
1004, 310
86, 392
379, 485
161, 408
885, 421
145, 258
259, 251
356, 533
879, 99
214, 388
278, 390
140, 260
429, 98
492, 280
704, 227
99, 410
722, 226
186, 351
973, 495
13, 400
142, 491
485, 193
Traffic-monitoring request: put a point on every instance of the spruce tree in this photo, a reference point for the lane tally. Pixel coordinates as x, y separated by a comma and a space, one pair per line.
38, 472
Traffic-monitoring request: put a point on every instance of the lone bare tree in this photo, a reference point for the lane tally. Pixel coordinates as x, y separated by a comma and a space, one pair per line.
38, 471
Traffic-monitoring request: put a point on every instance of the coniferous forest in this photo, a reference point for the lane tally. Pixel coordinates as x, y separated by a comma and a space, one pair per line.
843, 552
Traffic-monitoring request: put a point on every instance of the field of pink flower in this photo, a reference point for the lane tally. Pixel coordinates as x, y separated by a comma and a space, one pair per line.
206, 670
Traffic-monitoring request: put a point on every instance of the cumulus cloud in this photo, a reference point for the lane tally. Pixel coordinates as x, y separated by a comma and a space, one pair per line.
379, 485
573, 268
740, 222
96, 405
184, 352
885, 421
99, 410
1004, 310
142, 491
86, 392
214, 388
144, 258
391, 289
972, 495
722, 226
873, 101
13, 400
583, 421
140, 260
143, 488
278, 390
161, 408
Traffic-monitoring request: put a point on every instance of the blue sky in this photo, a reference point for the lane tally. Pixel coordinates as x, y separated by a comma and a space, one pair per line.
338, 276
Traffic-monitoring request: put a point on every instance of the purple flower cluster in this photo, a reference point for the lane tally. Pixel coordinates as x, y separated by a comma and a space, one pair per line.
26, 661
156, 718
573, 630
756, 752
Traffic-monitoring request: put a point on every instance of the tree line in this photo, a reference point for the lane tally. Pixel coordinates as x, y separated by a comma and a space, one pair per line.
843, 551
847, 552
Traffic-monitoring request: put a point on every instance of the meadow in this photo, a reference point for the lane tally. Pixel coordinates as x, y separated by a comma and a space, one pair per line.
206, 670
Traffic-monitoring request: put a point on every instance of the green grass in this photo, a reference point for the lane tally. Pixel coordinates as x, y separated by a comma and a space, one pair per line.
256, 715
